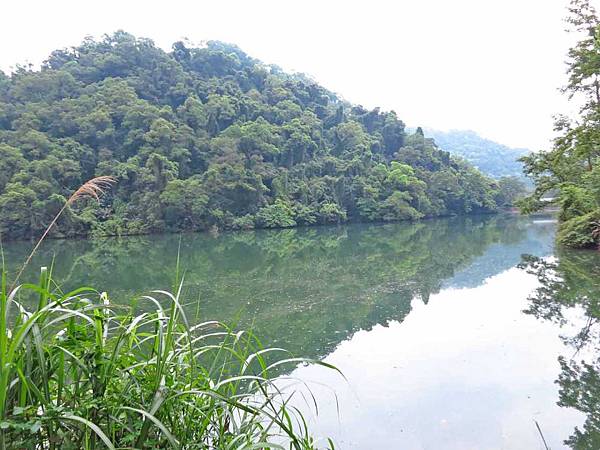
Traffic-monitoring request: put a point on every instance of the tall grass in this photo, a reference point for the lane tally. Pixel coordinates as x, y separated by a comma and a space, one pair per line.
80, 372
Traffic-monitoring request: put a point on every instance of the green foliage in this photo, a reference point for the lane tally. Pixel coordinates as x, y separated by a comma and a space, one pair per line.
208, 137
246, 222
580, 231
278, 215
184, 203
574, 201
510, 191
397, 207
332, 213
569, 173
79, 372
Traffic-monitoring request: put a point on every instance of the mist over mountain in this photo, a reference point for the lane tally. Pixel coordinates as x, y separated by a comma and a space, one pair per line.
492, 158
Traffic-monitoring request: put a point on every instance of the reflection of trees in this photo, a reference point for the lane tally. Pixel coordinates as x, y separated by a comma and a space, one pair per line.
580, 389
569, 286
306, 289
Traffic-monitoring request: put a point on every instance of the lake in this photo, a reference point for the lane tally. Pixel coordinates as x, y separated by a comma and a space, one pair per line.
443, 341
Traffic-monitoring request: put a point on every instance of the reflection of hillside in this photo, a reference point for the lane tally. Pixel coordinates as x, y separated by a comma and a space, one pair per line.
569, 296
529, 238
308, 289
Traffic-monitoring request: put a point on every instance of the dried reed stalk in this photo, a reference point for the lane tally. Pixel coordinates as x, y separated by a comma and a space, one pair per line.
93, 188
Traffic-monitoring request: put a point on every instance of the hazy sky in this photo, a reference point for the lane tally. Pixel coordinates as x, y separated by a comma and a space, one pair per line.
493, 66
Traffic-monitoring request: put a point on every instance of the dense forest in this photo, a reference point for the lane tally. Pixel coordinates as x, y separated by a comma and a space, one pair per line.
493, 159
209, 138
570, 172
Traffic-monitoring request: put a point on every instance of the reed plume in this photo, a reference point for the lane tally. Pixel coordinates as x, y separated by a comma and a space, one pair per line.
93, 188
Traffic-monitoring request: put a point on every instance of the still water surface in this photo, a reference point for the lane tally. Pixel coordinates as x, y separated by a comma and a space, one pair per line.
444, 342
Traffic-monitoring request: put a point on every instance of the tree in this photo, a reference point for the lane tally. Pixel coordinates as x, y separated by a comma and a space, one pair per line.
570, 168
510, 190
184, 204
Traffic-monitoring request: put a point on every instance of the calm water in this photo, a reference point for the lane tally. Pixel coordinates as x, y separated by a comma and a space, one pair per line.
444, 342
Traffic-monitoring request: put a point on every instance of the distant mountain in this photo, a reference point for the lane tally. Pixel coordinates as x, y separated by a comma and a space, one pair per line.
490, 157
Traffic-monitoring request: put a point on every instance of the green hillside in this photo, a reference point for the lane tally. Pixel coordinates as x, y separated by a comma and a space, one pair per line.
208, 138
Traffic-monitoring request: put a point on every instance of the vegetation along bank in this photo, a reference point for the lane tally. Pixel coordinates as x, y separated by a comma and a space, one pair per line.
209, 137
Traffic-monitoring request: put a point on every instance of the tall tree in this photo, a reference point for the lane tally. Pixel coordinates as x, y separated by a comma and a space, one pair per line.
569, 171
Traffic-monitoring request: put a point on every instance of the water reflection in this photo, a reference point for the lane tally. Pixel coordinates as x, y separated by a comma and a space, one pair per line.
305, 289
569, 297
466, 371
424, 319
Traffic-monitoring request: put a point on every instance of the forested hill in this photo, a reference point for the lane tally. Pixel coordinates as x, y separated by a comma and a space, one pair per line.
490, 157
208, 137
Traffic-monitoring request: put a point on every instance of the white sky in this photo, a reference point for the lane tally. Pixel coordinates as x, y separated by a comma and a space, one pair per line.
490, 66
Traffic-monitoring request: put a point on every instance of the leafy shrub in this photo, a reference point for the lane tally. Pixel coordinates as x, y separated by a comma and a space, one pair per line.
278, 215
580, 231
244, 223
